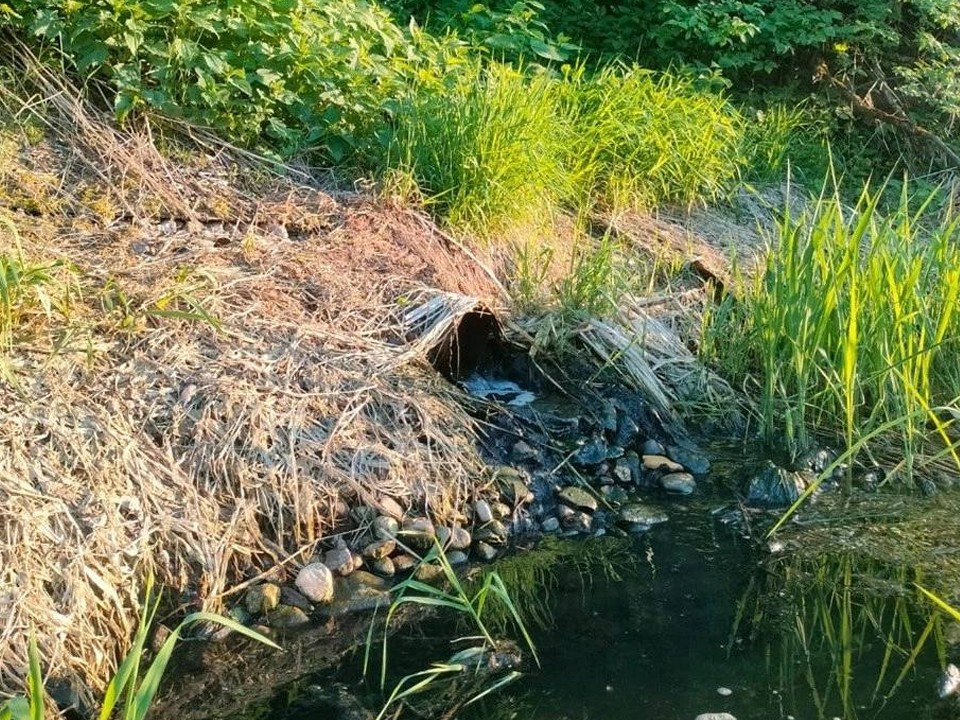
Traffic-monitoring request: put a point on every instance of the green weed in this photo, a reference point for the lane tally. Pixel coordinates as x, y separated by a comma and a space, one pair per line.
128, 693
472, 606
644, 139
487, 149
27, 288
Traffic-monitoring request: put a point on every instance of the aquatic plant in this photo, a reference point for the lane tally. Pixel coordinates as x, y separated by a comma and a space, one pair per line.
842, 608
453, 595
127, 692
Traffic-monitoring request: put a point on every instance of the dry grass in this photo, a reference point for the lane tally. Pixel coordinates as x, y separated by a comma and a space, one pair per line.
214, 389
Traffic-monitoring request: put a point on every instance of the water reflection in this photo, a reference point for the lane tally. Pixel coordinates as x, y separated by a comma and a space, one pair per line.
656, 626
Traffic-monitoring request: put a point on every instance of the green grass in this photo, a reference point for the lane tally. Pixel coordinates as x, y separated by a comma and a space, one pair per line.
27, 288
130, 693
851, 326
499, 148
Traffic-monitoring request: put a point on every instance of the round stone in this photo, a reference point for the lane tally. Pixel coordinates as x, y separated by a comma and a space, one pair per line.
460, 538
287, 616
550, 524
340, 561
385, 527
485, 552
482, 512
383, 566
640, 517
680, 483
577, 498
660, 462
262, 598
316, 582
419, 532
380, 549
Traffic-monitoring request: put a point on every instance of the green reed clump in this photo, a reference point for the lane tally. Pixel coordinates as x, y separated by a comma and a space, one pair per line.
643, 139
852, 325
498, 148
486, 148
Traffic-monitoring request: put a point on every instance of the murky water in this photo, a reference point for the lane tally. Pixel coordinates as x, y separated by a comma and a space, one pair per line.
683, 621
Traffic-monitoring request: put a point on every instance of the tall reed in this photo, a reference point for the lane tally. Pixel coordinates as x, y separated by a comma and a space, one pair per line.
852, 324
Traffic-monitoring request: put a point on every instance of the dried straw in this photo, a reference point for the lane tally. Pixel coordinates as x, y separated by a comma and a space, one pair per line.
203, 399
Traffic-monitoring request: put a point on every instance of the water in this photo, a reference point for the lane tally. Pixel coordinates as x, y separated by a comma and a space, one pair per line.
653, 626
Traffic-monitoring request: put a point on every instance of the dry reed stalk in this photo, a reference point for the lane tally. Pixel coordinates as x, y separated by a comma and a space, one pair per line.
643, 341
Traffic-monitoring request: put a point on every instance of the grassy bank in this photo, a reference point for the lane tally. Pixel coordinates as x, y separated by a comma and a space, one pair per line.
204, 357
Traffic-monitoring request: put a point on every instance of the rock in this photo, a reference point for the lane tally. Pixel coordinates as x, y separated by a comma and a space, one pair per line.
724, 691
627, 431
622, 474
869, 479
579, 521
516, 492
631, 463
949, 682
640, 518
522, 451
652, 447
715, 716
379, 550
608, 415
482, 512
363, 514
419, 532
359, 592
494, 532
429, 573
391, 508
316, 582
679, 483
238, 613
385, 527
262, 598
500, 510
289, 596
287, 616
577, 498
613, 494
693, 461
614, 452
460, 538
775, 487
661, 462
550, 524
383, 566
457, 557
339, 560
403, 563
484, 551
816, 460
592, 452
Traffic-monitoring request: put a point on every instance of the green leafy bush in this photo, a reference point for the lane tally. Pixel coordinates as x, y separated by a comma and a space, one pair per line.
282, 73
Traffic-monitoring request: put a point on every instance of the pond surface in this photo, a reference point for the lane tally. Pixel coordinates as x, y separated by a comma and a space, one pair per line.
663, 625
